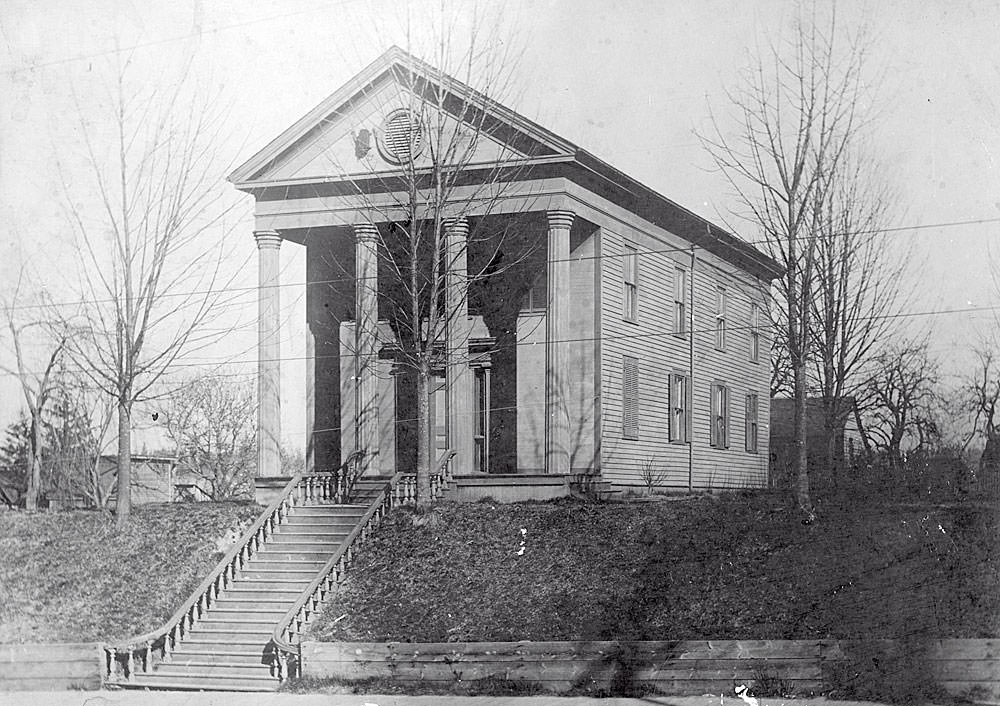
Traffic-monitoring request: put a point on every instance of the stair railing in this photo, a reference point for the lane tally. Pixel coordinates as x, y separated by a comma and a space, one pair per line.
135, 655
405, 490
399, 490
295, 620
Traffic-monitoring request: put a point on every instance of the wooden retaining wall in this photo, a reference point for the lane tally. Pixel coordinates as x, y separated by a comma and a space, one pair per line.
50, 667
962, 667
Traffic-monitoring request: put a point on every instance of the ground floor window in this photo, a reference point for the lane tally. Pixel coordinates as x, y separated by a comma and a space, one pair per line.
752, 423
720, 416
482, 422
680, 407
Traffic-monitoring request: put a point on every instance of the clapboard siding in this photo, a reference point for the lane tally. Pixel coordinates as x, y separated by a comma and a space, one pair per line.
693, 667
52, 667
651, 340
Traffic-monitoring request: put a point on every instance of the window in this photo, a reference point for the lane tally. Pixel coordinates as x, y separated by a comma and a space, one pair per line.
680, 408
481, 435
630, 398
680, 288
751, 417
754, 333
719, 432
535, 300
630, 284
720, 318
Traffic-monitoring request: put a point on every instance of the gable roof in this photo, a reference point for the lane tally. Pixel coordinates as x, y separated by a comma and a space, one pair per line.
550, 155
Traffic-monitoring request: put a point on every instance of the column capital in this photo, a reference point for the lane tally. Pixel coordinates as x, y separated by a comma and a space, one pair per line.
267, 239
365, 231
560, 220
456, 226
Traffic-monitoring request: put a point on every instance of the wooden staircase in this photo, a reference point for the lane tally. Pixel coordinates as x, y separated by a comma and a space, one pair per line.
229, 647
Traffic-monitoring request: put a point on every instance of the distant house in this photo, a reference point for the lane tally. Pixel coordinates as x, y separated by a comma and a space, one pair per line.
850, 442
627, 331
153, 481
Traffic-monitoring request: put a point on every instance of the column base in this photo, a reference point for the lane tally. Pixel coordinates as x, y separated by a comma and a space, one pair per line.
268, 488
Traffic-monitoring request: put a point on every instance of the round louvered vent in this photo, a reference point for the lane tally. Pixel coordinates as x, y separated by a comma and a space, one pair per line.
401, 137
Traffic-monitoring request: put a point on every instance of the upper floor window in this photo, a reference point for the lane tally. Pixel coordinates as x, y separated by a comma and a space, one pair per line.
680, 287
719, 413
720, 318
754, 333
630, 284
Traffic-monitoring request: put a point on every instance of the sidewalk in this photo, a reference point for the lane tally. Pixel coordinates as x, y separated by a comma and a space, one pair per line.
203, 698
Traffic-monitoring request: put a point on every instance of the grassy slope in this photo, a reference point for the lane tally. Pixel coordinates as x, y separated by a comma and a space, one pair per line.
702, 568
69, 577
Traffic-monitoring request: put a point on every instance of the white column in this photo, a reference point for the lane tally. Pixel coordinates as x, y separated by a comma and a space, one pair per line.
268, 355
557, 441
366, 342
461, 420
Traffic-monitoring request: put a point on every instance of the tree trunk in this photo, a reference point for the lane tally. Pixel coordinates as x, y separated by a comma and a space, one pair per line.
424, 437
35, 463
801, 447
124, 506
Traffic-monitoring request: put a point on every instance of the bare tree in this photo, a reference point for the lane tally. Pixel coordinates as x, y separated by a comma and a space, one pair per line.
857, 290
797, 111
899, 398
211, 421
981, 395
430, 254
151, 249
34, 326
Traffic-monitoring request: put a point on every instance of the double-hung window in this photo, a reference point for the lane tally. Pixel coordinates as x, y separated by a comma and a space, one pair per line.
630, 284
680, 408
720, 318
680, 289
752, 422
754, 333
719, 432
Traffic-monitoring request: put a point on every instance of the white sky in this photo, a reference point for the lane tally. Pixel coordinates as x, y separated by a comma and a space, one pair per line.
628, 81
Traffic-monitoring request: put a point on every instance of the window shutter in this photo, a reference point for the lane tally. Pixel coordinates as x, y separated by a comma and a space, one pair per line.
671, 404
630, 398
689, 410
713, 413
725, 417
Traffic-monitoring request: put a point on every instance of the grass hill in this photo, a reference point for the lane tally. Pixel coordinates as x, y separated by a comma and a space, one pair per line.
734, 567
69, 577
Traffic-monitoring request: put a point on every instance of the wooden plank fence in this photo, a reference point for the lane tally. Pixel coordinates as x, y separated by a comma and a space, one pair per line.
961, 667
50, 667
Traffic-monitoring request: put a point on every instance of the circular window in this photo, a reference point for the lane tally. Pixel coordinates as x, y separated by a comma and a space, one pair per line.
401, 138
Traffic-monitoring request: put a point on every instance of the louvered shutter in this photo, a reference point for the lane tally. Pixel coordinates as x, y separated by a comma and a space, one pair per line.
713, 415
688, 410
630, 398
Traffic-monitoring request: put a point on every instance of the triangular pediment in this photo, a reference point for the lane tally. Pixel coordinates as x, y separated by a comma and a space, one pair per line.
356, 130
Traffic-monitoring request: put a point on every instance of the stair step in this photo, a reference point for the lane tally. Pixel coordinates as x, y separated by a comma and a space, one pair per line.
268, 575
241, 645
256, 614
249, 623
276, 564
209, 634
290, 545
201, 682
220, 654
185, 667
352, 510
284, 594
320, 532
269, 554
